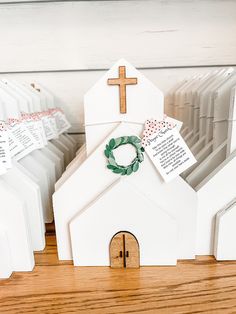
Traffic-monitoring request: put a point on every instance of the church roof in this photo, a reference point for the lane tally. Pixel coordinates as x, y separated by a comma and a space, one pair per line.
144, 99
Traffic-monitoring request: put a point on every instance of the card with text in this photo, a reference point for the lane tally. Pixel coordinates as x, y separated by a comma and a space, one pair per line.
169, 152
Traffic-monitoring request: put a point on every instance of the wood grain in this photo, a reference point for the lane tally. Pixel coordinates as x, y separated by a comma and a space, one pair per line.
200, 286
122, 81
82, 35
124, 251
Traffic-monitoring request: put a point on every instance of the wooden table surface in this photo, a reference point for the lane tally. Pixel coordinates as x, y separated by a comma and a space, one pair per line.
200, 286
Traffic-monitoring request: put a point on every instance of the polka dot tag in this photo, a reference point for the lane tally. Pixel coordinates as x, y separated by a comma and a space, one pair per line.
152, 126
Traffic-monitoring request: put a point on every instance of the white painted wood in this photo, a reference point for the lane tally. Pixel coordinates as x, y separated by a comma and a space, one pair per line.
210, 96
49, 166
200, 157
153, 227
30, 164
225, 232
231, 146
217, 190
69, 88
67, 201
22, 103
62, 147
193, 140
55, 159
5, 260
10, 103
14, 218
205, 30
29, 191
170, 97
63, 139
71, 142
95, 134
2, 2
81, 151
210, 163
72, 167
198, 146
200, 102
144, 100
58, 152
189, 103
71, 138
199, 105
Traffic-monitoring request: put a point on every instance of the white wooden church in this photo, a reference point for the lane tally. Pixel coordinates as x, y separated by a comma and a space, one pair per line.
104, 218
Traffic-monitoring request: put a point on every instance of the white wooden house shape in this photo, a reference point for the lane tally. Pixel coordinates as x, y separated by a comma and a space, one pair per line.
216, 194
213, 177
92, 204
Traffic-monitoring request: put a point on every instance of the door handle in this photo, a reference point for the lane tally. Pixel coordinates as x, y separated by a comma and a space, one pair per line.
127, 253
121, 254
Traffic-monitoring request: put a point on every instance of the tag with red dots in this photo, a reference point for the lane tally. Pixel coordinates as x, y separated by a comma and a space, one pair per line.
166, 148
152, 126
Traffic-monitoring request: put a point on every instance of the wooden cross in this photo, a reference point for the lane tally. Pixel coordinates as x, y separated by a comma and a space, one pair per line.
122, 81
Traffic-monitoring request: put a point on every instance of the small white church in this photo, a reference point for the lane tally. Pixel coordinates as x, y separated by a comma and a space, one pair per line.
133, 218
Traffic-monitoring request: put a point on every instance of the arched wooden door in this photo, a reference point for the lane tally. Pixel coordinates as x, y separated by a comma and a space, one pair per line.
124, 251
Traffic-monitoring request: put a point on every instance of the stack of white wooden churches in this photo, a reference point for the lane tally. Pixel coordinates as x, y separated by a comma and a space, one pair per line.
34, 151
191, 215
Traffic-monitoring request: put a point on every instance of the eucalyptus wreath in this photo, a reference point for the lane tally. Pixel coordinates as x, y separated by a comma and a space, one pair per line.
123, 140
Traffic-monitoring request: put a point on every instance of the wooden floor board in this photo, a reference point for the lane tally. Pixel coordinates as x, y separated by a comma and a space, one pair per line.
199, 286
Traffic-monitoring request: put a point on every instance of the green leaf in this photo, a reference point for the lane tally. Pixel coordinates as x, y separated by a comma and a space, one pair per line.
111, 167
134, 139
112, 161
135, 166
107, 153
138, 145
140, 157
112, 143
129, 170
117, 170
118, 141
123, 172
124, 139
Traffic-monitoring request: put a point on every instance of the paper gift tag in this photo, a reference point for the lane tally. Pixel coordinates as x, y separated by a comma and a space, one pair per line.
152, 125
168, 152
34, 125
23, 136
176, 123
49, 125
14, 145
5, 157
61, 121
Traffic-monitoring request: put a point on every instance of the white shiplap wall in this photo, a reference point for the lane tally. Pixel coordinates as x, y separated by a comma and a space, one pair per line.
66, 45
